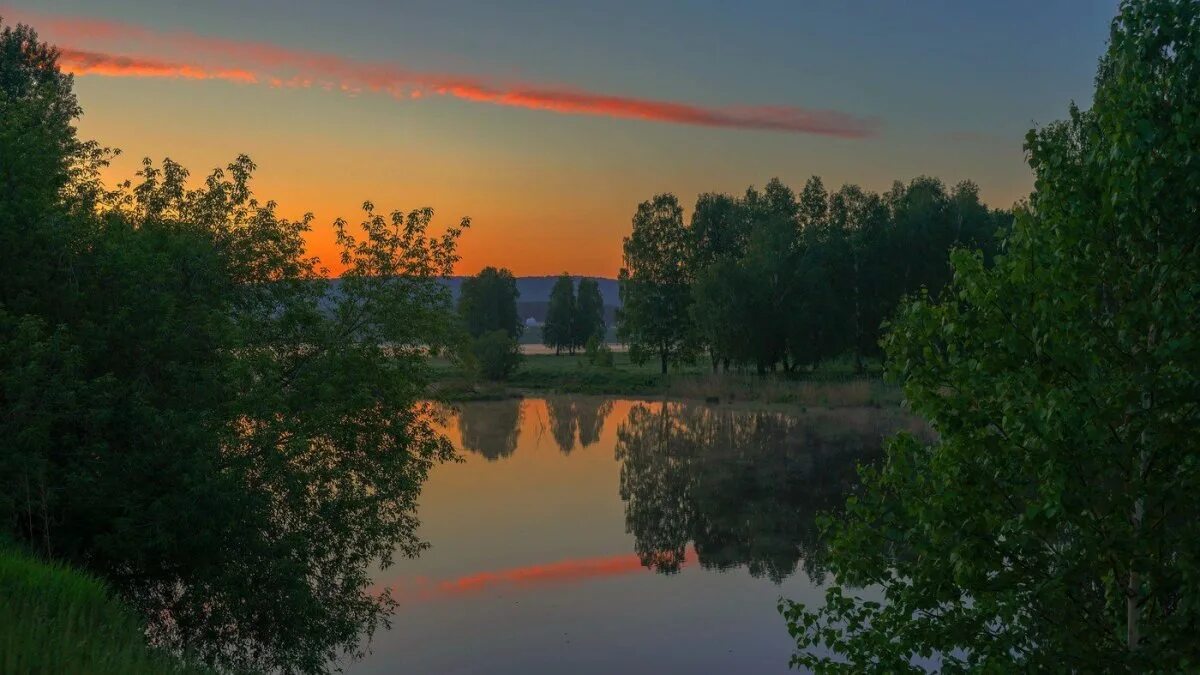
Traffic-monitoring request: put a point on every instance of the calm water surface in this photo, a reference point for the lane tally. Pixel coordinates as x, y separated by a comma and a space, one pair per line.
592, 535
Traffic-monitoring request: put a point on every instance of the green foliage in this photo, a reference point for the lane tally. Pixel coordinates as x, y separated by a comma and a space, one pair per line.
191, 411
559, 329
1055, 524
778, 280
488, 302
654, 283
599, 354
38, 109
497, 353
54, 619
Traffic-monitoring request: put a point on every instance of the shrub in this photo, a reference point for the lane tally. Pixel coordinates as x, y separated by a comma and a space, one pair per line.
598, 353
497, 354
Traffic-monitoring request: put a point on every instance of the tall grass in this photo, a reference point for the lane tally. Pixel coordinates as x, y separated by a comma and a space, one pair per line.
54, 619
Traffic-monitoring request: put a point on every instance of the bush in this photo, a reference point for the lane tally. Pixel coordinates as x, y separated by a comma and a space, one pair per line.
598, 353
497, 354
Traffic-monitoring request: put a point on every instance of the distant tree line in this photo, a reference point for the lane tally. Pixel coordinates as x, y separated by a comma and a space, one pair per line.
573, 318
775, 280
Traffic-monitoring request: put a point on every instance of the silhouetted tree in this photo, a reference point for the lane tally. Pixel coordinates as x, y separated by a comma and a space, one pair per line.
589, 313
654, 283
559, 330
488, 302
718, 234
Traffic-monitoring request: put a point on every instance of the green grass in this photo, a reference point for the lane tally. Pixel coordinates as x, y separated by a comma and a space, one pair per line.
833, 384
54, 619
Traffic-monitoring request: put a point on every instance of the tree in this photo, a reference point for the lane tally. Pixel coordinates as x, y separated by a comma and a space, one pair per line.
654, 283
488, 302
863, 219
717, 230
718, 234
820, 315
589, 313
191, 411
1055, 523
720, 312
559, 330
767, 278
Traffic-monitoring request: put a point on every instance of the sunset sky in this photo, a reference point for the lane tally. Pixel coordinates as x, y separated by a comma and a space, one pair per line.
547, 122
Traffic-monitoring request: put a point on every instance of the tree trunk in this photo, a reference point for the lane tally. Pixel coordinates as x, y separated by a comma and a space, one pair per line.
1133, 590
663, 354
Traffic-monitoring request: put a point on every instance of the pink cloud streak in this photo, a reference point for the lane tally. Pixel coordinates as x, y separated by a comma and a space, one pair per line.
79, 62
88, 50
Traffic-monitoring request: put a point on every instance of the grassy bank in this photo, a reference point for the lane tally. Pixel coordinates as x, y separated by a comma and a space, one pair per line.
831, 385
56, 620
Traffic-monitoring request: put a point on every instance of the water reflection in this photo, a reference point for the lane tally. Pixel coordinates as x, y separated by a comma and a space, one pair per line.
490, 428
744, 487
546, 561
584, 416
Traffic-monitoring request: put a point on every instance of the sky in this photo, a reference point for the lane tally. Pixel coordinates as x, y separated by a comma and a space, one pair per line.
548, 122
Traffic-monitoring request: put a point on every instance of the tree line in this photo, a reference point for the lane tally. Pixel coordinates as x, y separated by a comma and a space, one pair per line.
775, 280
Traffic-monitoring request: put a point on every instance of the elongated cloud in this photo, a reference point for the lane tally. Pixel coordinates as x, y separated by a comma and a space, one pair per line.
561, 572
115, 49
81, 62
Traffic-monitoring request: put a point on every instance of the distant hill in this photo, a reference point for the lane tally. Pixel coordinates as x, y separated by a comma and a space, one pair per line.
535, 295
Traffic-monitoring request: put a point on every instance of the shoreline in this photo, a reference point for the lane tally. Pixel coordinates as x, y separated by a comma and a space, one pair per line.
549, 374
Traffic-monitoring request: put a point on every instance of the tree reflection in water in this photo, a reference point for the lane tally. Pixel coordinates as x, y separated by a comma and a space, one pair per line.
490, 428
584, 415
743, 487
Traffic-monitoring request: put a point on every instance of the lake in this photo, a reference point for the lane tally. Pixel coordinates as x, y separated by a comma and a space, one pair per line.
591, 535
